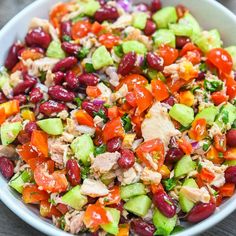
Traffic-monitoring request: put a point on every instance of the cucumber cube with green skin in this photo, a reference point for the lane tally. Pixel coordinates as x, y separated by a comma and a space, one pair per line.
112, 227
163, 224
132, 190
134, 46
52, 126
209, 114
164, 36
183, 114
165, 16
185, 204
181, 29
18, 180
89, 7
4, 78
9, 132
55, 51
138, 205
101, 58
230, 163
184, 166
74, 198
83, 148
232, 51
209, 40
139, 20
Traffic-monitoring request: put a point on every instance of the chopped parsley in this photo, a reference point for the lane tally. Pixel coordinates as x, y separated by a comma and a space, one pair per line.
83, 53
89, 68
169, 184
66, 38
101, 113
99, 150
213, 85
126, 121
78, 101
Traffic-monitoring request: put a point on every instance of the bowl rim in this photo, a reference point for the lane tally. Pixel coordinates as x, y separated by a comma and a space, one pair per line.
50, 229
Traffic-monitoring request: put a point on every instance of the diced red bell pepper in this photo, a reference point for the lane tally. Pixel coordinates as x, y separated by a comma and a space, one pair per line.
213, 155
113, 112
26, 152
185, 146
2, 115
112, 198
39, 141
159, 90
219, 97
206, 175
227, 190
47, 210
220, 142
198, 130
83, 118
11, 107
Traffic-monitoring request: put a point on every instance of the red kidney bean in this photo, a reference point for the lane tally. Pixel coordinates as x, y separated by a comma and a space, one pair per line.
106, 13
23, 137
35, 95
30, 127
155, 5
38, 37
50, 107
155, 62
114, 144
21, 98
6, 167
72, 80
2, 98
12, 56
59, 78
127, 63
57, 92
181, 41
73, 172
150, 28
65, 64
200, 212
170, 101
164, 203
65, 29
142, 228
90, 108
25, 86
230, 174
231, 138
127, 159
70, 48
173, 155
201, 76
88, 79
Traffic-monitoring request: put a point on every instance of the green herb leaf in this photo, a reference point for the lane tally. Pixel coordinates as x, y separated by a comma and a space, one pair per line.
234, 125
118, 51
89, 68
206, 145
225, 116
84, 171
42, 76
213, 85
102, 114
126, 121
160, 231
177, 229
169, 184
78, 18
66, 38
99, 150
83, 53
203, 67
78, 101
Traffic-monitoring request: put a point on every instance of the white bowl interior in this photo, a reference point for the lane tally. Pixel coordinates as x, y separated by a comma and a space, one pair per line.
209, 13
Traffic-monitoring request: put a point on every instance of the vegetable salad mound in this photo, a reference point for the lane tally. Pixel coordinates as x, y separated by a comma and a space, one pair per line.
119, 119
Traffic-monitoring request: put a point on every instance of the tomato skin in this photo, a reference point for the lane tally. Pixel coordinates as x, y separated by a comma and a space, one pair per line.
39, 141
80, 29
143, 98
220, 142
96, 27
191, 53
175, 85
159, 90
231, 87
221, 59
198, 130
26, 152
109, 40
169, 54
34, 162
130, 98
185, 146
189, 47
206, 175
47, 210
219, 97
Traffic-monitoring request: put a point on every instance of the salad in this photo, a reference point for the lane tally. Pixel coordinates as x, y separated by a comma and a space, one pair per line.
119, 118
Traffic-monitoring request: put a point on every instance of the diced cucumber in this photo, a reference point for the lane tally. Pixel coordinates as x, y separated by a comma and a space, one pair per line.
101, 58
209, 40
89, 7
9, 132
4, 78
182, 113
138, 205
52, 126
232, 51
134, 46
164, 36
55, 51
208, 114
230, 163
74, 198
163, 224
184, 166
185, 204
132, 190
112, 227
18, 180
83, 147
165, 16
181, 29
139, 20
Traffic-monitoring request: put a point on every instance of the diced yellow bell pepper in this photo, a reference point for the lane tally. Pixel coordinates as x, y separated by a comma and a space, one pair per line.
28, 115
186, 98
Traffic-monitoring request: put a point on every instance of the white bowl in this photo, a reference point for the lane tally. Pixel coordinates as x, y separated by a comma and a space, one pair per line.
209, 13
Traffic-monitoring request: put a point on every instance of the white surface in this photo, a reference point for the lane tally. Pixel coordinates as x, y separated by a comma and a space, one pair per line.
209, 13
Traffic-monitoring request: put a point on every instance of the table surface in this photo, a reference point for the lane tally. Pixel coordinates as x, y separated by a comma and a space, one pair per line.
10, 224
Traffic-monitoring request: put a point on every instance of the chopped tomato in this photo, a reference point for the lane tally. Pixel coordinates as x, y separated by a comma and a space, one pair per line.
123, 230
112, 198
213, 155
94, 216
109, 40
11, 107
34, 162
131, 80
220, 142
198, 130
62, 208
32, 194
206, 175
26, 152
31, 54
185, 146
55, 182
221, 59
230, 154
93, 91
227, 190
199, 181
113, 129
156, 188
2, 115
47, 210
130, 98
83, 118
96, 27
155, 149
175, 85
57, 13
80, 29
194, 57
137, 121
231, 87
159, 90
39, 141
187, 72
19, 66
188, 48
219, 97
113, 112
169, 54
143, 98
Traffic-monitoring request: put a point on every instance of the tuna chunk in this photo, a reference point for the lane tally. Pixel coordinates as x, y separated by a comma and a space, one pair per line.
195, 194
150, 176
76, 223
8, 151
94, 188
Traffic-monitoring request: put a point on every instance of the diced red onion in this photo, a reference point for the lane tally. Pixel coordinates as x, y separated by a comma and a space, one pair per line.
98, 102
125, 4
195, 145
84, 129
